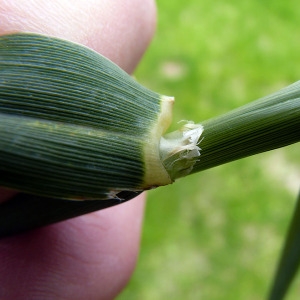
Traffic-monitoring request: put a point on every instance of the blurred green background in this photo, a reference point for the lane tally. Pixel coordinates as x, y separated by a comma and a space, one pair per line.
218, 234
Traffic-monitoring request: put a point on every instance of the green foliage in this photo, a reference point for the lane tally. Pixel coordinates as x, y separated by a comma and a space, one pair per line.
218, 234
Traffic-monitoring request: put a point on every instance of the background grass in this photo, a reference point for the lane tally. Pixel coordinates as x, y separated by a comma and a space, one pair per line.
218, 234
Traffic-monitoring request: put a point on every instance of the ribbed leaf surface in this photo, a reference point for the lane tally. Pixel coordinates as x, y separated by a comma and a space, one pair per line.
72, 123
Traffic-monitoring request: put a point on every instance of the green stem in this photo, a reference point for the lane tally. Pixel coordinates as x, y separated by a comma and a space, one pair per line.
266, 124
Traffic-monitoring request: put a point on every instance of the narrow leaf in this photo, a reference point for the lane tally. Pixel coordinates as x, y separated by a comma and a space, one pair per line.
262, 125
290, 258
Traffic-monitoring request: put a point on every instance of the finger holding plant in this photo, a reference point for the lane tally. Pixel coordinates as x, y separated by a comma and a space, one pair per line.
78, 134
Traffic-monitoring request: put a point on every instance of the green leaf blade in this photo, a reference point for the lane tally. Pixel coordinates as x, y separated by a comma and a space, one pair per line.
83, 126
260, 126
289, 260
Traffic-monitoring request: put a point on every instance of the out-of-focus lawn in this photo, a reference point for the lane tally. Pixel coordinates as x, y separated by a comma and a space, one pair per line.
217, 234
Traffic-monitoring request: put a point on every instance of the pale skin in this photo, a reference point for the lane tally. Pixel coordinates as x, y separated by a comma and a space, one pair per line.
93, 256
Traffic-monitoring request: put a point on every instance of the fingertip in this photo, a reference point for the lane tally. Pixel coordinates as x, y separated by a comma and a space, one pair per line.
89, 257
127, 32
120, 29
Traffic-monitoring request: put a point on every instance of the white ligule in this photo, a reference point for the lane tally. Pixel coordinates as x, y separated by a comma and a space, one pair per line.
180, 150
